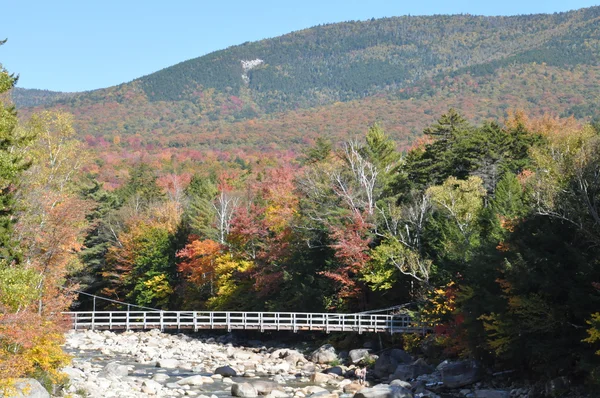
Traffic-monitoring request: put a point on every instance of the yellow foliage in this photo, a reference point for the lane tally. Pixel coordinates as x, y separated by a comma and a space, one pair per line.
594, 330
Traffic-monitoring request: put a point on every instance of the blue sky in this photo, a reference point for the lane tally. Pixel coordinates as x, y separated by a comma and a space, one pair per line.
67, 45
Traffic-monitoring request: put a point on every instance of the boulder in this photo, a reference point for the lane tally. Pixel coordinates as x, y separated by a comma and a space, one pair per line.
225, 371
264, 387
290, 356
357, 356
319, 378
389, 360
324, 354
28, 388
244, 390
411, 371
460, 373
336, 370
114, 369
384, 391
492, 394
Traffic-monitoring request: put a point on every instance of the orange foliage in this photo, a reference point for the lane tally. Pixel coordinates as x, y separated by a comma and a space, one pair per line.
199, 259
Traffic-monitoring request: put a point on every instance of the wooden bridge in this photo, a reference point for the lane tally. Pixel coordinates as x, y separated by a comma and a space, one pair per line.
200, 320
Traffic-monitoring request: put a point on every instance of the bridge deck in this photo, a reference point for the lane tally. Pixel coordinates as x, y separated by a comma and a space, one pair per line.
196, 320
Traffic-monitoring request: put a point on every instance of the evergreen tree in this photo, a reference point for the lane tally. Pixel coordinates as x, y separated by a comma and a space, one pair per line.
12, 163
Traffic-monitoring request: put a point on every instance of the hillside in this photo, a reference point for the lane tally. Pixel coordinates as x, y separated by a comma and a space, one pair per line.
27, 97
278, 94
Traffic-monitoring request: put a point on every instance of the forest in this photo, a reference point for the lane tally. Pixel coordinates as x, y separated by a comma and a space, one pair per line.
489, 229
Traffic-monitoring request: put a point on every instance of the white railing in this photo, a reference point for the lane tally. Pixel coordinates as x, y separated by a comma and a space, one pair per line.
197, 320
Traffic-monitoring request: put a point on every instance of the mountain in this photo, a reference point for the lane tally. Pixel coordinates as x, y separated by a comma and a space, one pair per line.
28, 97
335, 79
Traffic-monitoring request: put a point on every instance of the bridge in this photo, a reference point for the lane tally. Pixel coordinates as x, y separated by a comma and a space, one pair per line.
390, 320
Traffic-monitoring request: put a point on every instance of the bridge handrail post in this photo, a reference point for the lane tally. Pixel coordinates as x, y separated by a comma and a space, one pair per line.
195, 319
127, 318
162, 327
227, 317
144, 320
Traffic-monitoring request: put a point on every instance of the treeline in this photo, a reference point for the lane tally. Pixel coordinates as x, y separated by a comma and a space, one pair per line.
491, 230
42, 223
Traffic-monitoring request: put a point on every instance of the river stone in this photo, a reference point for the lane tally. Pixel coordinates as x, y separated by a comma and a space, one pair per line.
319, 378
384, 391
196, 380
359, 355
151, 387
401, 383
114, 369
28, 388
225, 371
492, 394
277, 394
264, 387
160, 377
353, 388
245, 390
324, 354
336, 370
314, 390
167, 363
460, 373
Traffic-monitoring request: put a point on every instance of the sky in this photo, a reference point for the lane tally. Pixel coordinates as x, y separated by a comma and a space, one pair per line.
77, 45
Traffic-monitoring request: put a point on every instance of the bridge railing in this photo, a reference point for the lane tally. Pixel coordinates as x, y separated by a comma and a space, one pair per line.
229, 320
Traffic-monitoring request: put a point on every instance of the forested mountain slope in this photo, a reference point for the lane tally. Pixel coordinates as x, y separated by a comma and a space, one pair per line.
388, 68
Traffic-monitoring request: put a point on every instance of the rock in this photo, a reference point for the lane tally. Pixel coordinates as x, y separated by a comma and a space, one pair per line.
353, 387
227, 380
411, 371
357, 356
384, 391
324, 354
28, 388
401, 383
319, 378
225, 371
460, 373
245, 390
325, 395
314, 390
73, 373
264, 387
151, 387
160, 377
114, 369
389, 360
336, 370
277, 394
492, 394
290, 356
167, 363
196, 380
